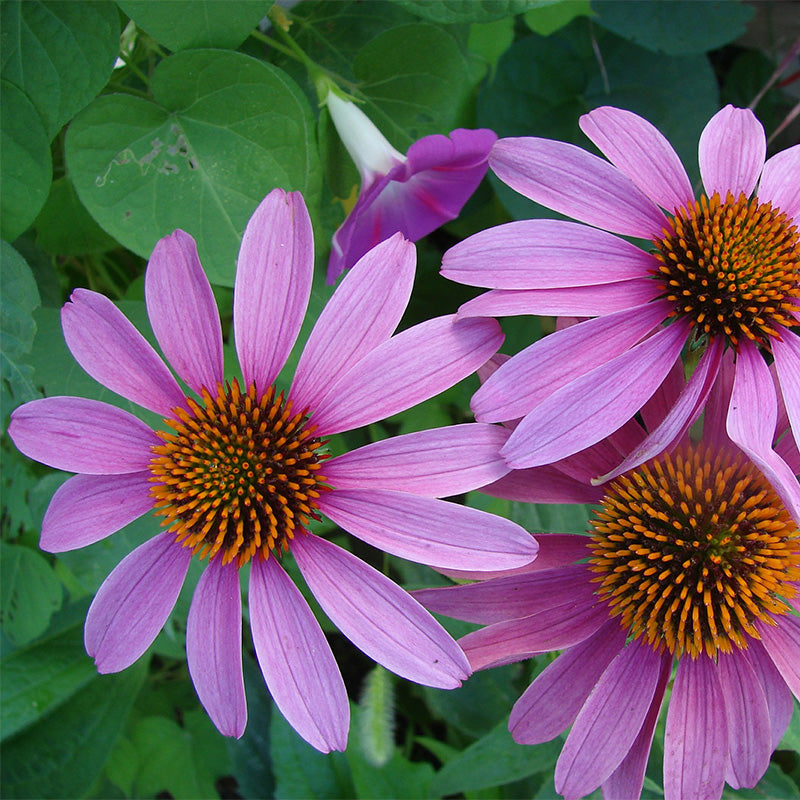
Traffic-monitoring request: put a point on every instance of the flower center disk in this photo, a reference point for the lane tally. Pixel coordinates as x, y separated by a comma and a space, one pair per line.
733, 267
692, 549
238, 474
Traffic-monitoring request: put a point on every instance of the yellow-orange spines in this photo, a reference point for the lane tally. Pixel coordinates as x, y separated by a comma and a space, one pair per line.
732, 267
238, 474
692, 549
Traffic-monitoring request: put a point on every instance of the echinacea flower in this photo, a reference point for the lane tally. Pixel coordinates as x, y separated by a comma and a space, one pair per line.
239, 469
413, 194
693, 562
724, 270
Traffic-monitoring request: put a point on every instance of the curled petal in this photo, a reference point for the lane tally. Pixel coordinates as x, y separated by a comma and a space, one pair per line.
777, 693
780, 181
782, 642
787, 363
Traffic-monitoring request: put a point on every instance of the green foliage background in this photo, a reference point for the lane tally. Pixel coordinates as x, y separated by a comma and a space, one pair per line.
203, 114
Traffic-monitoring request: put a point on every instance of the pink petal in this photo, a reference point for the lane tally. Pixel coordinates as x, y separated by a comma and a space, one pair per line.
551, 703
534, 374
576, 183
273, 284
516, 639
132, 605
513, 597
379, 618
435, 463
782, 642
183, 312
655, 410
545, 484
696, 741
779, 698
364, 311
628, 778
751, 423
786, 351
731, 152
214, 647
719, 399
106, 344
80, 435
596, 403
544, 254
429, 531
412, 366
581, 301
780, 182
609, 722
749, 734
88, 508
681, 416
642, 153
296, 659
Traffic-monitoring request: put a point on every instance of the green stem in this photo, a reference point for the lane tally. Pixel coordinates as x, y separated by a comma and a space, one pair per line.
134, 69
262, 37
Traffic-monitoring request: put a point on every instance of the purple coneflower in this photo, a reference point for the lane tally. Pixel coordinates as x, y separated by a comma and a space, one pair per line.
413, 194
724, 271
693, 560
239, 469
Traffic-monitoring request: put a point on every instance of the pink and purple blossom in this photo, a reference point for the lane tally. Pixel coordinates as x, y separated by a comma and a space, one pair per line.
693, 563
413, 194
724, 272
239, 470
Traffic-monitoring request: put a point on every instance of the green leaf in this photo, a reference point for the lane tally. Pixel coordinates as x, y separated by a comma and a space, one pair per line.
449, 11
177, 759
60, 54
40, 677
64, 753
416, 79
550, 18
675, 27
30, 593
64, 227
494, 760
122, 765
398, 779
775, 784
302, 772
223, 130
184, 24
491, 39
19, 297
791, 739
25, 161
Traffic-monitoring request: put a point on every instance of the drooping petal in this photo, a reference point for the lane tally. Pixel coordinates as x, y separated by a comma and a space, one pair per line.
628, 778
514, 597
731, 151
640, 151
782, 642
88, 508
364, 311
183, 312
609, 722
132, 605
106, 344
749, 734
543, 254
787, 363
655, 410
435, 463
596, 403
80, 435
513, 640
535, 373
577, 301
273, 284
214, 647
429, 531
296, 659
777, 693
751, 422
578, 184
551, 703
412, 366
378, 616
696, 741
780, 181
681, 416
545, 484
716, 413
